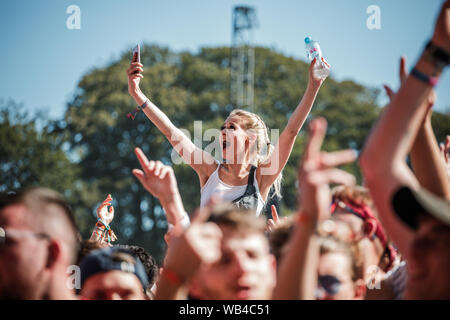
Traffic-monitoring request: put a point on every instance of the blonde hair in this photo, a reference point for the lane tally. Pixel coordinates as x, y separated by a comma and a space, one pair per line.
264, 148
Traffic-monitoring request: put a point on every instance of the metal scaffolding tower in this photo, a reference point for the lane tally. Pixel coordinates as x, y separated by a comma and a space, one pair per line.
243, 57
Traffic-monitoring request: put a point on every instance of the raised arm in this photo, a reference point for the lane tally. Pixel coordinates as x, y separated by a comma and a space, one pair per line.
202, 162
102, 231
272, 167
160, 181
383, 159
297, 276
425, 156
199, 244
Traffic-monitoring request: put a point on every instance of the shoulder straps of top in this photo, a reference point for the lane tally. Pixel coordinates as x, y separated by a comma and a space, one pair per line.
251, 176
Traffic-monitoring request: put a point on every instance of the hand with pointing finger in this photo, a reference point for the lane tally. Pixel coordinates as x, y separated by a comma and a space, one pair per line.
160, 181
318, 170
155, 177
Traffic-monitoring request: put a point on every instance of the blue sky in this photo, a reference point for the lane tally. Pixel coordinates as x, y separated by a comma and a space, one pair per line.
41, 60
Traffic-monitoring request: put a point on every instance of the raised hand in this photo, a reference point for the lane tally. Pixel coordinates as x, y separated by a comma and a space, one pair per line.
107, 215
317, 170
445, 150
441, 35
134, 73
403, 74
160, 181
271, 223
199, 244
155, 177
316, 81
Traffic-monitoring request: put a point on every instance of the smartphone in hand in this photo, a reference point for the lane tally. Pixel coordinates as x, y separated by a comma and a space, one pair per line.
137, 54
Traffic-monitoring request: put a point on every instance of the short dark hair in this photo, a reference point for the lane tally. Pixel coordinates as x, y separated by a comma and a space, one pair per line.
36, 199
280, 236
238, 219
330, 244
150, 265
87, 246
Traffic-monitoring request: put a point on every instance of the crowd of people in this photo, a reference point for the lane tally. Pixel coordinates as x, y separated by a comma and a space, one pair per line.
386, 239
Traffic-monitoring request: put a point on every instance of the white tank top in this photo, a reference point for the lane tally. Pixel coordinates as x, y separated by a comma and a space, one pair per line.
215, 186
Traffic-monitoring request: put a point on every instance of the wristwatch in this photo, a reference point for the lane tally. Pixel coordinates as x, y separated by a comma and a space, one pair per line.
440, 57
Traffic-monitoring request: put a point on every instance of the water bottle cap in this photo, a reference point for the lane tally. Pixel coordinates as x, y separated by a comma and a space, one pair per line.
308, 39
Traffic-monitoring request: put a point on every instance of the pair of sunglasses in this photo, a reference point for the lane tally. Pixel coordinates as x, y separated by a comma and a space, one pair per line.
329, 283
5, 234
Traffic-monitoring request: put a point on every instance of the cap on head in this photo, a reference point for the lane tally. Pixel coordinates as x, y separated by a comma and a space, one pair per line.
409, 204
110, 259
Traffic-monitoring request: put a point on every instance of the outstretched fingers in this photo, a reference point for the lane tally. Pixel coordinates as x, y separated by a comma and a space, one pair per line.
337, 158
403, 74
332, 175
317, 130
274, 214
390, 93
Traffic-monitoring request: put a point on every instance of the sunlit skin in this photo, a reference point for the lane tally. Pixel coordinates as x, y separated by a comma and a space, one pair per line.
371, 249
246, 270
429, 262
337, 264
113, 285
235, 142
269, 168
22, 260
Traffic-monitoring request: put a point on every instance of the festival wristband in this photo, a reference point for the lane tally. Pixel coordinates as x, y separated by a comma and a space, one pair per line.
432, 81
103, 230
171, 276
132, 115
439, 56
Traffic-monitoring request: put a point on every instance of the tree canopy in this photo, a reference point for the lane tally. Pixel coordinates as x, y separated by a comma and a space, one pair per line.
89, 153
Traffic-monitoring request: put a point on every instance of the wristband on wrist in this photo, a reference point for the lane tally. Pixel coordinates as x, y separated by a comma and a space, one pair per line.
305, 220
132, 115
104, 231
439, 56
171, 276
432, 81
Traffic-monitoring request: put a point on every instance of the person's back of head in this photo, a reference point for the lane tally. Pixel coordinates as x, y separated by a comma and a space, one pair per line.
40, 241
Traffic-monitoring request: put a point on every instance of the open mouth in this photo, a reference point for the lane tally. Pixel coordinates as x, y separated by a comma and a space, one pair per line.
243, 292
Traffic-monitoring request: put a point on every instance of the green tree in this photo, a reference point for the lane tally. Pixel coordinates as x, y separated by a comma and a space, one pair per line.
33, 153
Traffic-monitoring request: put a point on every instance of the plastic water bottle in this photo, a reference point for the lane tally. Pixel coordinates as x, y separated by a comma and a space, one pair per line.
313, 50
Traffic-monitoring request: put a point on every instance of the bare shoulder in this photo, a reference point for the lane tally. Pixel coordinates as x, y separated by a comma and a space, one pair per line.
205, 171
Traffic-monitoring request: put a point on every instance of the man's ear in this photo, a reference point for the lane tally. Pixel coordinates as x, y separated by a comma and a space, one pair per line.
195, 289
360, 289
54, 253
